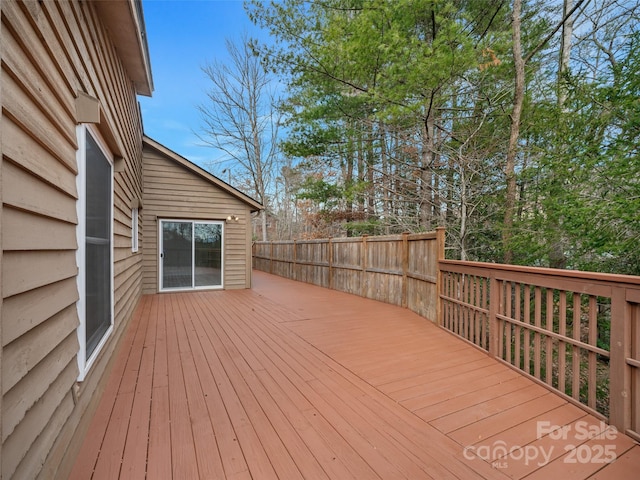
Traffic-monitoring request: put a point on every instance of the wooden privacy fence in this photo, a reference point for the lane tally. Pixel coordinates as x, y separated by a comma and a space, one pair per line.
397, 269
577, 333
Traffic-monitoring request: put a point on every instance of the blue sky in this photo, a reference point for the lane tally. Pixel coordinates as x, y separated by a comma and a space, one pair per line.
184, 35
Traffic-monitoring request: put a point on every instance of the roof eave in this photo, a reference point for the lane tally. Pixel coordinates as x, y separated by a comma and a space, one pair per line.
125, 21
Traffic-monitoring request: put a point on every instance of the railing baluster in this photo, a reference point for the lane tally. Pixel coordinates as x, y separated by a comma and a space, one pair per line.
562, 346
593, 340
548, 343
536, 336
459, 313
527, 333
494, 301
575, 361
467, 310
445, 303
517, 316
476, 314
507, 325
485, 320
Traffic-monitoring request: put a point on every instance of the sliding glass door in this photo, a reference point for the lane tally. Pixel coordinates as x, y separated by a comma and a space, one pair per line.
190, 254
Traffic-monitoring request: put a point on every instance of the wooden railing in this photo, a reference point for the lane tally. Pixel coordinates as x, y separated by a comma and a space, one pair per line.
577, 333
397, 269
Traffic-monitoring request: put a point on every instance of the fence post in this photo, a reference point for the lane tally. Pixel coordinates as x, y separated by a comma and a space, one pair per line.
363, 260
405, 268
294, 269
271, 257
440, 245
330, 259
619, 371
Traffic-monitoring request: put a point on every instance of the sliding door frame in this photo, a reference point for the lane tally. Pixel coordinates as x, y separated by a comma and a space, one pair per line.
160, 255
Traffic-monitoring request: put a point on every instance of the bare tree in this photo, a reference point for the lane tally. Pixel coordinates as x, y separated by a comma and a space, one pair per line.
241, 119
520, 62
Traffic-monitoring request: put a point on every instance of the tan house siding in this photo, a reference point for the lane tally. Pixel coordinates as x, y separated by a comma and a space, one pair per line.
172, 191
50, 52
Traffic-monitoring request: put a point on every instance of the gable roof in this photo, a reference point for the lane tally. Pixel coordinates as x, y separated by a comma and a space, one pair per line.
192, 167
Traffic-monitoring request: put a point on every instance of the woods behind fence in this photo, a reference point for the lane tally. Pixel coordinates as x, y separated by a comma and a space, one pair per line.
577, 333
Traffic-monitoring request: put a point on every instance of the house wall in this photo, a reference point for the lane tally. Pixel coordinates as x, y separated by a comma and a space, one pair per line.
172, 191
51, 51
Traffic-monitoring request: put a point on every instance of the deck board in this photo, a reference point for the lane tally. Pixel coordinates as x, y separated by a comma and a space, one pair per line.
288, 380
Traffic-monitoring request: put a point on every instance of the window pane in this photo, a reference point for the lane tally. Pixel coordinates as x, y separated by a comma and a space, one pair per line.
98, 191
177, 254
98, 291
208, 249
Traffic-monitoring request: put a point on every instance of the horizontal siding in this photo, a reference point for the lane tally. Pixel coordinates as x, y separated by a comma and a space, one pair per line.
28, 154
22, 190
19, 228
50, 51
56, 405
20, 398
22, 355
23, 271
21, 313
172, 191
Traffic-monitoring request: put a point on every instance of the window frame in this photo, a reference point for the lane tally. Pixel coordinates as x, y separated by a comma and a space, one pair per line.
135, 230
84, 363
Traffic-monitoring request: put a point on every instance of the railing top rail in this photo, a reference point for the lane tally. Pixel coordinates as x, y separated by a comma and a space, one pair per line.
608, 278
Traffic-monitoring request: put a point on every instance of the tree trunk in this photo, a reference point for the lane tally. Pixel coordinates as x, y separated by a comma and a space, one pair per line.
565, 52
463, 212
426, 172
370, 171
386, 179
512, 151
557, 256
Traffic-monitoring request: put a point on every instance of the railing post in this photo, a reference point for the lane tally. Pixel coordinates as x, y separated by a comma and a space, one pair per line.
440, 244
405, 268
620, 350
494, 305
363, 260
330, 259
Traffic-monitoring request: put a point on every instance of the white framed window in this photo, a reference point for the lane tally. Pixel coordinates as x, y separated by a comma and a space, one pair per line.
95, 245
134, 229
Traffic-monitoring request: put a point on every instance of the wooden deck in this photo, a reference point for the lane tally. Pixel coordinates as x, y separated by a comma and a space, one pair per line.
288, 381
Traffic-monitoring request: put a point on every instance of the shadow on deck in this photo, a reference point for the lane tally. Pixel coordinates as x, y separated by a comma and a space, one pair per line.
289, 380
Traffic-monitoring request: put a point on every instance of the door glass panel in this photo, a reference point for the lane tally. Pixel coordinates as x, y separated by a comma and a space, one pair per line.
177, 261
208, 254
97, 245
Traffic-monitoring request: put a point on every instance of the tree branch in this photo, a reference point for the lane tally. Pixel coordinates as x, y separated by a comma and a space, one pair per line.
544, 41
